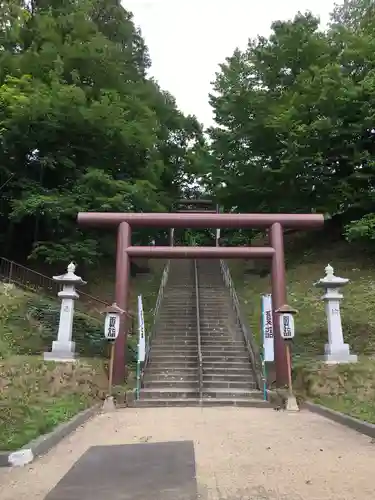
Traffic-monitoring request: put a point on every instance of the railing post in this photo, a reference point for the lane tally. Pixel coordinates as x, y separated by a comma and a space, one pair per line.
10, 272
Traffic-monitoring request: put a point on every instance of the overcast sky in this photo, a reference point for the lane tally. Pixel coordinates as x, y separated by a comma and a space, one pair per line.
187, 39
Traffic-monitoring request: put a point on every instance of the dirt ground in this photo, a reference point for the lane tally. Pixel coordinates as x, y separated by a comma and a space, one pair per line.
241, 453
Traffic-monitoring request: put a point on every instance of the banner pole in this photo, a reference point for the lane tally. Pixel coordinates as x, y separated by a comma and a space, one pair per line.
141, 345
263, 355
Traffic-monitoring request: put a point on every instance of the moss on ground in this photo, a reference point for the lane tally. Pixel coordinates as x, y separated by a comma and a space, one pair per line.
345, 388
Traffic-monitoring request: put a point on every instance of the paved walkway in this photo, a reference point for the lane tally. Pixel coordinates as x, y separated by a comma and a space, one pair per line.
241, 453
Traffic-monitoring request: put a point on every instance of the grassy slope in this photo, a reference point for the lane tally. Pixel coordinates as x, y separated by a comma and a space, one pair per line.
350, 389
36, 396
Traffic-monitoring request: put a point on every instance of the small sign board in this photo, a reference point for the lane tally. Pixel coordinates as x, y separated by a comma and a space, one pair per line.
286, 326
111, 326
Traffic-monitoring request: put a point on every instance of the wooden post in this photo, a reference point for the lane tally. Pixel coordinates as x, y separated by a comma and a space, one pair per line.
110, 368
289, 365
122, 298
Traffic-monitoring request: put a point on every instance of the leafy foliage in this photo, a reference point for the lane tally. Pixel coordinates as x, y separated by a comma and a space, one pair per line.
82, 127
295, 116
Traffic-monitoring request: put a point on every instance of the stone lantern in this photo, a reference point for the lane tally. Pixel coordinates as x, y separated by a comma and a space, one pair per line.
335, 351
63, 349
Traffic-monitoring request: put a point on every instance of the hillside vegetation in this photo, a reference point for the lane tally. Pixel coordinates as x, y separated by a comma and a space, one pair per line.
347, 388
85, 128
36, 396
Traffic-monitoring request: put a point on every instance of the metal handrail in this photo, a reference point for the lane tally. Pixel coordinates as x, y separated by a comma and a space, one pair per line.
32, 280
163, 283
252, 348
200, 363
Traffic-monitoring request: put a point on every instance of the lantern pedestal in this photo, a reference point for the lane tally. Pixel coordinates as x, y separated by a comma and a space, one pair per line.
109, 404
63, 349
335, 351
61, 352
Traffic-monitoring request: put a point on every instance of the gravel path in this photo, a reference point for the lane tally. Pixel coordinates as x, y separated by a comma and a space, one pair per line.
241, 453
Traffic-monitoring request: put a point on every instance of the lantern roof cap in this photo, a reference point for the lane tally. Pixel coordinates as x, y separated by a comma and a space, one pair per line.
114, 309
286, 309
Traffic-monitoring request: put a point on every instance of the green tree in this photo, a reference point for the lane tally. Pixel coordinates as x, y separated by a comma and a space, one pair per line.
82, 127
295, 115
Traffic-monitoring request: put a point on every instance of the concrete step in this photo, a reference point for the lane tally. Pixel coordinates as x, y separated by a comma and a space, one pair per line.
161, 343
186, 402
214, 293
232, 393
210, 364
176, 331
215, 338
169, 365
171, 375
188, 341
207, 343
176, 313
168, 338
168, 325
219, 337
219, 331
168, 384
219, 349
171, 331
183, 301
210, 305
175, 346
157, 402
215, 321
237, 401
165, 349
246, 375
219, 308
169, 356
226, 357
207, 328
170, 392
176, 371
185, 297
209, 385
168, 332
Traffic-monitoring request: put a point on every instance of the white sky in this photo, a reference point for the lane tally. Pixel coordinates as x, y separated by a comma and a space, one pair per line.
187, 39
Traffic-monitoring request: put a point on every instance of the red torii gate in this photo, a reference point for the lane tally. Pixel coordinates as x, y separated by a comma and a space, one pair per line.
275, 223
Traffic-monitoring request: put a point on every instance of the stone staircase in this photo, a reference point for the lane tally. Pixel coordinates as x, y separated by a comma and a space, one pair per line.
172, 374
228, 377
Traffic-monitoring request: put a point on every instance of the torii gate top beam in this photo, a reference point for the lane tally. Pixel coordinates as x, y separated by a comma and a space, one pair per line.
201, 220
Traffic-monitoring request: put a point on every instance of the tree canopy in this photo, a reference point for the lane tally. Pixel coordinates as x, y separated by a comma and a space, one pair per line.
82, 126
295, 116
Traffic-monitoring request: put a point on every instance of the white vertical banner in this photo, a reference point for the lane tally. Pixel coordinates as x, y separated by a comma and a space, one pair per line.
267, 328
141, 330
